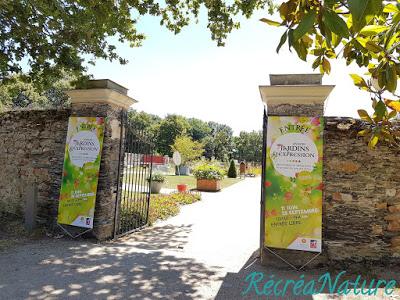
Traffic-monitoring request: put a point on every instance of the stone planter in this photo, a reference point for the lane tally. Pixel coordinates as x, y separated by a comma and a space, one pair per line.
155, 187
208, 185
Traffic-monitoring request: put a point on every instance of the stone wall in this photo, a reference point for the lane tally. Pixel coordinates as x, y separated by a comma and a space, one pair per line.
32, 150
361, 207
362, 197
33, 144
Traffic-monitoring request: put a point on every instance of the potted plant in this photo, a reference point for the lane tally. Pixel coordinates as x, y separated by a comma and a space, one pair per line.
157, 181
208, 177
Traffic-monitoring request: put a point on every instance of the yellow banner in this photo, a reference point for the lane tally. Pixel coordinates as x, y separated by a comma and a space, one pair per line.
81, 171
293, 183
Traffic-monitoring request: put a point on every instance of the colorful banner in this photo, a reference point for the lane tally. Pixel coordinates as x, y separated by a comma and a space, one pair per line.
81, 171
293, 183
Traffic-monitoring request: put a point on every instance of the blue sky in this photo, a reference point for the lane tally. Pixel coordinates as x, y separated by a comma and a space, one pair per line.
189, 75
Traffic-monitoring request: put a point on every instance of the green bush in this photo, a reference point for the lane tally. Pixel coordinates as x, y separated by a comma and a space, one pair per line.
165, 206
185, 198
207, 171
232, 170
162, 207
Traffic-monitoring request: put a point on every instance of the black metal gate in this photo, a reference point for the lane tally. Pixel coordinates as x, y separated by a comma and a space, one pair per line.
135, 169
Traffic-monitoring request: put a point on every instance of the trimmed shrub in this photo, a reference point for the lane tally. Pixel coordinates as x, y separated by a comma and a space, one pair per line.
232, 173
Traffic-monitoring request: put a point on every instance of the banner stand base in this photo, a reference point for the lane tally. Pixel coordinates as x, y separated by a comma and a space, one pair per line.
71, 234
288, 263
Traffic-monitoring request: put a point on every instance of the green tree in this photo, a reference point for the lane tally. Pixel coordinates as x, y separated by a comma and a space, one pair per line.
232, 173
190, 150
17, 92
143, 120
51, 36
366, 32
168, 130
249, 146
219, 143
198, 129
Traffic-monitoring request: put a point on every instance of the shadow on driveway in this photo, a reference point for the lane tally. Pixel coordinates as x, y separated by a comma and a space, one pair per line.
116, 270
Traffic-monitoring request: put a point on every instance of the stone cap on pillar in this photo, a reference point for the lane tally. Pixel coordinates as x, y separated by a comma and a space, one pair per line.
295, 94
102, 91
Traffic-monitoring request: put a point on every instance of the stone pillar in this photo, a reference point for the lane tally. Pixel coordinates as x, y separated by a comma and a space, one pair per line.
104, 98
295, 95
292, 95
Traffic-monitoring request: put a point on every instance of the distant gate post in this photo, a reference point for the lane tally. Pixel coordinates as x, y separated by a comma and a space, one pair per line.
104, 98
290, 95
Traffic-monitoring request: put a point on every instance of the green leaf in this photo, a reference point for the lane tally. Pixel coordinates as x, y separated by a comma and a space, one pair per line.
391, 78
362, 11
392, 114
390, 8
373, 141
316, 63
364, 132
282, 41
305, 25
301, 49
326, 66
336, 39
335, 24
290, 39
373, 30
395, 105
380, 110
270, 22
390, 36
371, 46
364, 115
358, 80
381, 79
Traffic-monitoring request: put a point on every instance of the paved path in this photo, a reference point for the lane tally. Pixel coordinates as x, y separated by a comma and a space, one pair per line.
185, 257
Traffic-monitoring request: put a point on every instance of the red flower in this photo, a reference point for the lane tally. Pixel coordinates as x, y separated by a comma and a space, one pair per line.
320, 187
288, 196
268, 183
315, 121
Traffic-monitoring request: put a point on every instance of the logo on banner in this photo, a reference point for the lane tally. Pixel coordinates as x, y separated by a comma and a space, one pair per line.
313, 244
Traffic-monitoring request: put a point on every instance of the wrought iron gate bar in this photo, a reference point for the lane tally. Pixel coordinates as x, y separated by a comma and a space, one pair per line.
135, 173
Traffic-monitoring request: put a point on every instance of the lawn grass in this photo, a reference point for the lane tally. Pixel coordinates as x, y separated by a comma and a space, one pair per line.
173, 180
